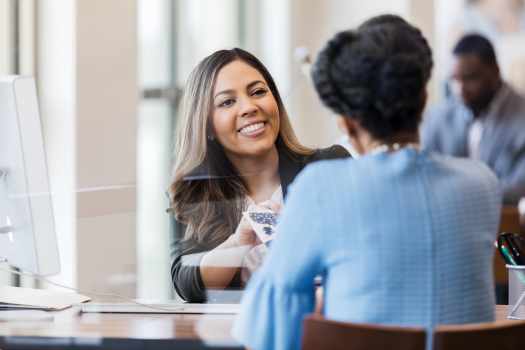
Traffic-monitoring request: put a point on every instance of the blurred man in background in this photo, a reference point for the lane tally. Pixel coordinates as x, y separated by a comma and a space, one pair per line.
483, 118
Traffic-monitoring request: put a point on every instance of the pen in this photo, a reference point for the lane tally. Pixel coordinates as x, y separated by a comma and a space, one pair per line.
512, 243
514, 248
505, 251
507, 256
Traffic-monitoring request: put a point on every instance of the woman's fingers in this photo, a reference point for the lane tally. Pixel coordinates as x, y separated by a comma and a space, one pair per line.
245, 234
276, 207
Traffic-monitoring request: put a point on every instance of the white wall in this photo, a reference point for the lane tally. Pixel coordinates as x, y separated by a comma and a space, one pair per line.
107, 98
6, 37
313, 123
57, 93
88, 88
203, 26
5, 68
154, 132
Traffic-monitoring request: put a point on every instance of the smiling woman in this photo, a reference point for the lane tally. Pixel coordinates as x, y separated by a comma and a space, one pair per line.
235, 147
240, 90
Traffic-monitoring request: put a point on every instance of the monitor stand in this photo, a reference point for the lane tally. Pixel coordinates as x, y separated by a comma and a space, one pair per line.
5, 221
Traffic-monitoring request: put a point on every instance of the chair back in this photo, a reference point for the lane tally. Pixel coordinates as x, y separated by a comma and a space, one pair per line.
503, 335
320, 333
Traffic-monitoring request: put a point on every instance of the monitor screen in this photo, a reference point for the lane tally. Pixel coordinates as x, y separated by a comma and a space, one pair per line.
27, 230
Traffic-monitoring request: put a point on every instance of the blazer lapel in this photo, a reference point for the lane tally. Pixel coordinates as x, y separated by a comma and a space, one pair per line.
495, 133
289, 167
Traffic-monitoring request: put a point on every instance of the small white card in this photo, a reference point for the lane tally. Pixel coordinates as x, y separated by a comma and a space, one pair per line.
263, 221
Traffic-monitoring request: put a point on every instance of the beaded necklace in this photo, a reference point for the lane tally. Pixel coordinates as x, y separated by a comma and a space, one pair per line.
383, 148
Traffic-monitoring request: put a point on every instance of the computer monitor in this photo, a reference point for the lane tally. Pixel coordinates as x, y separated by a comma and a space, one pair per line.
27, 230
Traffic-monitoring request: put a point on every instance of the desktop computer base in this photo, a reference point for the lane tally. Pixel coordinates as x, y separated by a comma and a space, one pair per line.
38, 299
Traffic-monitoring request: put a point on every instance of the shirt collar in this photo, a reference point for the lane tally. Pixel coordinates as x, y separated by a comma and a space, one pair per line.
277, 197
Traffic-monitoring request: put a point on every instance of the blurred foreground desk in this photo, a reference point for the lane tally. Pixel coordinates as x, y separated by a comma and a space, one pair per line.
71, 330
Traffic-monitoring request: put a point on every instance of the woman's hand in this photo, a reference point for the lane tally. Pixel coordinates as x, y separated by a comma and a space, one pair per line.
219, 265
244, 234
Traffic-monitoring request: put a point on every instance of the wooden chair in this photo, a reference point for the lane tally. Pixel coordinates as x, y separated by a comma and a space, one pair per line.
505, 335
510, 222
320, 334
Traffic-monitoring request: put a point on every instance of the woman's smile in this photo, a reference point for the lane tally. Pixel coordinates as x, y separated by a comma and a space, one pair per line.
253, 129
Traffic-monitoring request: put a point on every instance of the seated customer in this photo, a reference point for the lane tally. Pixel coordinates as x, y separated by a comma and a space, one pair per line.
235, 146
400, 236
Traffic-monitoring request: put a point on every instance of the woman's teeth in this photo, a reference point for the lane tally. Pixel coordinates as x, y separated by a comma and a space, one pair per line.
251, 128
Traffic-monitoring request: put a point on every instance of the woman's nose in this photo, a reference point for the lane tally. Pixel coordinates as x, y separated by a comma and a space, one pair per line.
247, 107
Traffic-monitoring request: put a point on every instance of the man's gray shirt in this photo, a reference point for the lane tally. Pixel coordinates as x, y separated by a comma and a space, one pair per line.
446, 126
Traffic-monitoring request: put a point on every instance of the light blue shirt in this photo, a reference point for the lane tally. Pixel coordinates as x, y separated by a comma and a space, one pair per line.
402, 238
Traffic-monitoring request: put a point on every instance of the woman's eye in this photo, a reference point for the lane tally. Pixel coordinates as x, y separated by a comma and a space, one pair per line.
259, 92
227, 103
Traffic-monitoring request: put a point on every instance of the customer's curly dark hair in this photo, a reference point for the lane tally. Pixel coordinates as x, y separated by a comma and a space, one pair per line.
377, 75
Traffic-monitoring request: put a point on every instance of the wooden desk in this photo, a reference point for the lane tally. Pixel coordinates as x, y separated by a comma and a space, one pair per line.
124, 331
120, 331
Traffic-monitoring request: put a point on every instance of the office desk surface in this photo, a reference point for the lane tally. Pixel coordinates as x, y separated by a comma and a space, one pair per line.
193, 331
70, 328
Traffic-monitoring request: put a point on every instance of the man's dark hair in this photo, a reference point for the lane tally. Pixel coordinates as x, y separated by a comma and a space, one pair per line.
478, 45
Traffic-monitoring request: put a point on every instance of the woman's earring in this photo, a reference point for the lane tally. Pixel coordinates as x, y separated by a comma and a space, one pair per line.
211, 138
